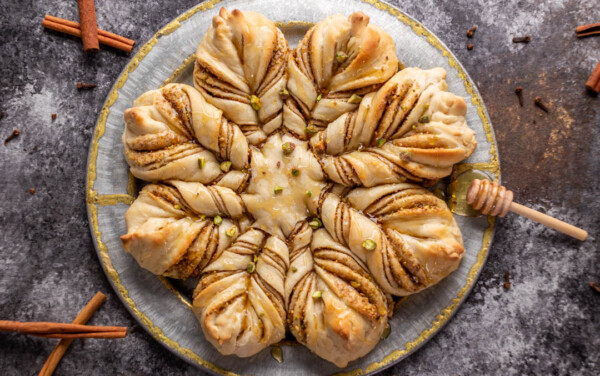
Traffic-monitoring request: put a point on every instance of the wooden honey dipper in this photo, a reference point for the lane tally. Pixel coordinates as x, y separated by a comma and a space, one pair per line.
493, 199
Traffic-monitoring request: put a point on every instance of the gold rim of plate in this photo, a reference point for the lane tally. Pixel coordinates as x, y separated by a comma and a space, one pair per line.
93, 198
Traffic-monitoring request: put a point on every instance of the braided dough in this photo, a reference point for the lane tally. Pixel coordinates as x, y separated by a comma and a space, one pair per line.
281, 179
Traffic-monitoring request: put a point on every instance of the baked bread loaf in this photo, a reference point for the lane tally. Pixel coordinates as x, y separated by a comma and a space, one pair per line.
281, 180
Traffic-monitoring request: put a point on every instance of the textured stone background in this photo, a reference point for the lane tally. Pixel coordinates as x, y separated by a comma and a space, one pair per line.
547, 323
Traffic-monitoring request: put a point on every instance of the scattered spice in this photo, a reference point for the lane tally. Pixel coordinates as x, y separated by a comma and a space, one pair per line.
225, 166
231, 231
317, 294
519, 92
31, 190
217, 220
355, 99
13, 135
54, 116
284, 94
81, 85
277, 190
295, 172
288, 148
315, 223
538, 102
251, 267
595, 287
424, 119
277, 354
340, 57
386, 331
525, 39
201, 162
471, 31
587, 30
255, 102
470, 46
507, 280
369, 245
308, 193
593, 83
380, 142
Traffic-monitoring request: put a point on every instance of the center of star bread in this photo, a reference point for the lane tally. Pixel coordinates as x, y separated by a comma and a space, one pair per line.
285, 184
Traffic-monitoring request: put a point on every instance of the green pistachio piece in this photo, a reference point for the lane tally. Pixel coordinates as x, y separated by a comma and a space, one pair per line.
255, 102
355, 99
340, 57
369, 245
201, 162
288, 148
217, 220
315, 223
277, 190
317, 294
225, 166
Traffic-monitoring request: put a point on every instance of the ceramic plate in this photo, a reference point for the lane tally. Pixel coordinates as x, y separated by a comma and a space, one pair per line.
163, 309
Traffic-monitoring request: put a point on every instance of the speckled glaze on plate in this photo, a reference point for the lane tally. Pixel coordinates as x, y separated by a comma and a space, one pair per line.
157, 305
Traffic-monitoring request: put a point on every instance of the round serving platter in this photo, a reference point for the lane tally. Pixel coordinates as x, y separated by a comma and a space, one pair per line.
162, 307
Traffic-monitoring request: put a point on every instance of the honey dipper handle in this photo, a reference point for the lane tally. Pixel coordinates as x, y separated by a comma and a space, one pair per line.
549, 221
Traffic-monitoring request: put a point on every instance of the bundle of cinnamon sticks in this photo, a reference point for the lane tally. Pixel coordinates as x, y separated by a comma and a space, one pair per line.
87, 29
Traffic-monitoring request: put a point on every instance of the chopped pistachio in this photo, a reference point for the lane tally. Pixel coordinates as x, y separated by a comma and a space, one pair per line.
295, 172
355, 284
201, 162
426, 107
340, 57
294, 269
231, 231
177, 207
217, 220
424, 119
277, 354
308, 193
255, 102
277, 190
317, 294
355, 99
369, 245
386, 331
284, 94
380, 142
288, 148
251, 267
255, 258
414, 126
315, 223
225, 166
319, 97
310, 130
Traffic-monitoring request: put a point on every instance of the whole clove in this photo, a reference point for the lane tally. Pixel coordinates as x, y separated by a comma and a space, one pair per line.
54, 116
471, 31
470, 46
525, 39
13, 135
519, 92
81, 85
538, 102
507, 280
32, 191
595, 287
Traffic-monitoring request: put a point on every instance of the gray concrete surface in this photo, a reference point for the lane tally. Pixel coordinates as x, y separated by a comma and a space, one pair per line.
546, 324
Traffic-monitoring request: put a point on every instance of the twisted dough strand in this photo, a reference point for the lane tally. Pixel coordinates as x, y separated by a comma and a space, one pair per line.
334, 306
168, 232
416, 241
240, 298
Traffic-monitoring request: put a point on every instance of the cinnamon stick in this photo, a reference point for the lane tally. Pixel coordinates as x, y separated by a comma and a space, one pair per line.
62, 346
105, 335
588, 30
89, 28
593, 83
50, 328
73, 28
